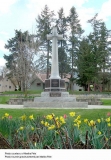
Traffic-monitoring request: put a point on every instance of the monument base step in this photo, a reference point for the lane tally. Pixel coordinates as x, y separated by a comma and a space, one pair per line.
55, 99
56, 105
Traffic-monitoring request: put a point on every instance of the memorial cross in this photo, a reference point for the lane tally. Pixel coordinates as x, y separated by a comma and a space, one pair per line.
54, 67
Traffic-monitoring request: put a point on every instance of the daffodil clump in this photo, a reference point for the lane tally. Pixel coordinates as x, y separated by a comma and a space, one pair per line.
65, 131
7, 115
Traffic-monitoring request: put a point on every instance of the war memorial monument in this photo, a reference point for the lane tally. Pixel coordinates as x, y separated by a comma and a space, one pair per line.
55, 94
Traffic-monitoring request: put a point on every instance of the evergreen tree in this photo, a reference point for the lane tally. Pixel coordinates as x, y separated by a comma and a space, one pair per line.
100, 46
93, 56
75, 32
62, 49
44, 23
87, 70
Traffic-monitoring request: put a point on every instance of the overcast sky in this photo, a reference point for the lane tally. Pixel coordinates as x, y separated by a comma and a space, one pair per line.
21, 14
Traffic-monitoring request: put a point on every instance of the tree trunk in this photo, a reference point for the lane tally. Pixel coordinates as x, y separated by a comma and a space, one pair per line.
88, 87
94, 86
22, 86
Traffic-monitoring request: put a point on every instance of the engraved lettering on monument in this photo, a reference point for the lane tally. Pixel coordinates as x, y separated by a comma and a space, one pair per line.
47, 83
54, 94
55, 83
62, 83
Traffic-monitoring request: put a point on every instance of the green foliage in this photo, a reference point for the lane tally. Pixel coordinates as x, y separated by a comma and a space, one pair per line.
43, 27
74, 39
93, 56
87, 69
12, 46
21, 60
68, 131
62, 27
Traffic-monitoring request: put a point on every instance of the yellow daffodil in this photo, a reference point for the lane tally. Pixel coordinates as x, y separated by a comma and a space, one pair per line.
53, 114
35, 144
106, 138
75, 120
32, 128
78, 117
58, 124
72, 114
109, 124
56, 132
42, 122
98, 120
46, 124
21, 128
23, 118
57, 118
108, 119
6, 115
31, 117
78, 122
51, 127
62, 119
76, 125
99, 133
91, 123
50, 117
85, 120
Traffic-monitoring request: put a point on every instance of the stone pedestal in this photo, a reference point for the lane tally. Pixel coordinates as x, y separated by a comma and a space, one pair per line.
56, 105
54, 88
55, 85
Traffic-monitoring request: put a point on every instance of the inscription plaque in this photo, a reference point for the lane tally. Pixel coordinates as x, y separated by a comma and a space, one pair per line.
62, 83
52, 94
54, 82
47, 83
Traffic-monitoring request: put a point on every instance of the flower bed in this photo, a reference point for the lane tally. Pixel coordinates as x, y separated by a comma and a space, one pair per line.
53, 132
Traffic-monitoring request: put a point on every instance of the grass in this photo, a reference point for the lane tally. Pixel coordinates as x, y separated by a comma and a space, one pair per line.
4, 99
39, 92
85, 113
20, 92
106, 102
86, 92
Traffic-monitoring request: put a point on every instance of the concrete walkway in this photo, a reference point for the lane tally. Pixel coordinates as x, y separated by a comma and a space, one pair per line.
21, 107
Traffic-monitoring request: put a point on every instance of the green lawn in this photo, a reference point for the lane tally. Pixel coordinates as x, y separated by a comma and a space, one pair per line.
86, 92
4, 99
85, 113
20, 92
106, 102
39, 92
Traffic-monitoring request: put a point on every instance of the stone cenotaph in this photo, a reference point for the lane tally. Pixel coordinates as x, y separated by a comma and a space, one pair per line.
55, 86
55, 94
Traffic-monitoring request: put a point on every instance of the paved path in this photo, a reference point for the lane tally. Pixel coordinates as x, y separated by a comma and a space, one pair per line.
21, 106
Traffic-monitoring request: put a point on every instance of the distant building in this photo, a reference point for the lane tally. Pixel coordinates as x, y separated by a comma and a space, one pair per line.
38, 82
76, 87
6, 84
